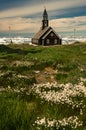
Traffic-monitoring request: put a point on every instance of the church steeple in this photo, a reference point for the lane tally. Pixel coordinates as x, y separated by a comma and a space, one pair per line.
45, 19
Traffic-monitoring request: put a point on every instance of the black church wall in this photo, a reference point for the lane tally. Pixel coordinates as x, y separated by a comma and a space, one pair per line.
52, 39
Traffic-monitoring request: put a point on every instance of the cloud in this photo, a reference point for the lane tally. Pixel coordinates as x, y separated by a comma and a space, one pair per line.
33, 25
37, 8
25, 18
68, 24
20, 24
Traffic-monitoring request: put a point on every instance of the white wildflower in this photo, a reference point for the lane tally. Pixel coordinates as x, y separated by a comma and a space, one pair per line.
60, 93
73, 121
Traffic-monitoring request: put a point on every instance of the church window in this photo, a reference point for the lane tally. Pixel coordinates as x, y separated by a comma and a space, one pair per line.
48, 41
52, 34
45, 24
42, 42
55, 41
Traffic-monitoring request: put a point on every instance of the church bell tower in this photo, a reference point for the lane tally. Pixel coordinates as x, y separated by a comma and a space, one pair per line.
45, 19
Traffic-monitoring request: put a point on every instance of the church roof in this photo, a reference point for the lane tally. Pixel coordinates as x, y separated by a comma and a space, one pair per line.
44, 33
41, 32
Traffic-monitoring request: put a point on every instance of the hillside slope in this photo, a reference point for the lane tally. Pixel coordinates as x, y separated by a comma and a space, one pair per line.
43, 87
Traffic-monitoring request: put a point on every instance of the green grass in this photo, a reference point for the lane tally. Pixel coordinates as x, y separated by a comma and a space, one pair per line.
15, 113
19, 111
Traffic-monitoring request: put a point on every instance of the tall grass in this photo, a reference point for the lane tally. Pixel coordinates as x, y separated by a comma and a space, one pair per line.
16, 113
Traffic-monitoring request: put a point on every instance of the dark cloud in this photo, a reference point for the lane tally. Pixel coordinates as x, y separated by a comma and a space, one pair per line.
69, 12
8, 4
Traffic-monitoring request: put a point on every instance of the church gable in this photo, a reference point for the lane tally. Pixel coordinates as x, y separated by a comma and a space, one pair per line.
51, 38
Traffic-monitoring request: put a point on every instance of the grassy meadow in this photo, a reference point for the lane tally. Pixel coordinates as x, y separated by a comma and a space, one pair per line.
43, 88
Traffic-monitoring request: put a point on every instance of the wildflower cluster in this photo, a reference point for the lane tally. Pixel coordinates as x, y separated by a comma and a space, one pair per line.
60, 93
72, 121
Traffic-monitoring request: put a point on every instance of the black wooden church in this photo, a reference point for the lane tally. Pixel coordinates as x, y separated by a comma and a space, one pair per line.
46, 35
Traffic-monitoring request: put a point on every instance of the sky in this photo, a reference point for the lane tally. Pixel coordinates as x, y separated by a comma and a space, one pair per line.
25, 16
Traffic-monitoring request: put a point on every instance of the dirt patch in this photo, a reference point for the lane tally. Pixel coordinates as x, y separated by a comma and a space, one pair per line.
47, 75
